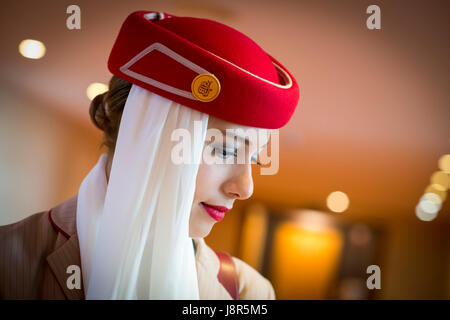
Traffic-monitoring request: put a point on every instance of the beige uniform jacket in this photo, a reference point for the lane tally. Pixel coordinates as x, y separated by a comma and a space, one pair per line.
36, 252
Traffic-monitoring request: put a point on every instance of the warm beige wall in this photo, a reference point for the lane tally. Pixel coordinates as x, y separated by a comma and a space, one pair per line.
43, 155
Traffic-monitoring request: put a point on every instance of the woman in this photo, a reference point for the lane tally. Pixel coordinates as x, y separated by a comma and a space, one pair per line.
135, 229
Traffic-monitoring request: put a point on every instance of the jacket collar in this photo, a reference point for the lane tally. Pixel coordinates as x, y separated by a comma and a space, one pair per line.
208, 267
67, 253
63, 217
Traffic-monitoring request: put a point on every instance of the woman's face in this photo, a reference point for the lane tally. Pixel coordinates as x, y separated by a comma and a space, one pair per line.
220, 184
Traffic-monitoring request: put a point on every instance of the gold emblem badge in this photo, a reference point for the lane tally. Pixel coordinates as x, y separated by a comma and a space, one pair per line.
205, 87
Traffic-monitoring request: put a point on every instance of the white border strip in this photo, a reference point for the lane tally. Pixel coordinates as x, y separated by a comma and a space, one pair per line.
283, 73
172, 54
189, 64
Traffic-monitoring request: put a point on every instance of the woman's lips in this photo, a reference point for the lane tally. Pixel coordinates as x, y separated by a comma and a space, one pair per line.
216, 212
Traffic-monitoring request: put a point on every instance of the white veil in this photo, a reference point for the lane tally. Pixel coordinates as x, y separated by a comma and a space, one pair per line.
134, 231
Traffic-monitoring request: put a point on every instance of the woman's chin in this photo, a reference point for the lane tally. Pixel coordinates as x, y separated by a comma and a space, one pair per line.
201, 231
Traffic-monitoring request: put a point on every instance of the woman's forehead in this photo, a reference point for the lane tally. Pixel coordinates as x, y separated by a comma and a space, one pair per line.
254, 135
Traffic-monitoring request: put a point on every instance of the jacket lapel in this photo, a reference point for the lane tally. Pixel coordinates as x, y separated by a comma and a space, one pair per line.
67, 250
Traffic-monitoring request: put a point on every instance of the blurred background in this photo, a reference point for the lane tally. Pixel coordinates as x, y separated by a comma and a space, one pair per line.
363, 175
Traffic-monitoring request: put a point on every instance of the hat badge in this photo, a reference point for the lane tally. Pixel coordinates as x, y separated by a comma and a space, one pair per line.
205, 87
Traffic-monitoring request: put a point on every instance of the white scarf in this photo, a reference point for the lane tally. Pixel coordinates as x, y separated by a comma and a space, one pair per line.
134, 231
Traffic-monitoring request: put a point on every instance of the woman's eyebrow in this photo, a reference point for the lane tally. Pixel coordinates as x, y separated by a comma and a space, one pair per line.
232, 135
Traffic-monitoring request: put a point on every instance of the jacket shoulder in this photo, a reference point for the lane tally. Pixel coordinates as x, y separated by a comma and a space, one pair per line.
24, 246
32, 229
252, 285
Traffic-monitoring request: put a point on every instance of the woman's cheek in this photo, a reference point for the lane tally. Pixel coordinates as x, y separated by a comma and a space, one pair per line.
207, 178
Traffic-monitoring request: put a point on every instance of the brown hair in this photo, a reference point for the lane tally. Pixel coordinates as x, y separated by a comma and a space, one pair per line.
106, 111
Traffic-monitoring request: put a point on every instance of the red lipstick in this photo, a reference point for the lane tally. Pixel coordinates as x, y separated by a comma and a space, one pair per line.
216, 212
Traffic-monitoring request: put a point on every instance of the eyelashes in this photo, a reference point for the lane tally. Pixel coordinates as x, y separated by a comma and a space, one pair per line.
226, 153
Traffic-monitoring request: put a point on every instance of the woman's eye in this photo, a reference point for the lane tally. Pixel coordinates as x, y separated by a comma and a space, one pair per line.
224, 154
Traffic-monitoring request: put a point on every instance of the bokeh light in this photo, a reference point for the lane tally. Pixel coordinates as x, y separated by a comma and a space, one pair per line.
440, 180
95, 89
32, 49
432, 189
424, 216
444, 163
337, 201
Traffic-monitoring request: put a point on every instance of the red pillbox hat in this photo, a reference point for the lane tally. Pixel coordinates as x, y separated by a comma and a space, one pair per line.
204, 65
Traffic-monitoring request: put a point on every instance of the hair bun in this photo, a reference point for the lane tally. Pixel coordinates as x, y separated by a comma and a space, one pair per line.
98, 111
106, 110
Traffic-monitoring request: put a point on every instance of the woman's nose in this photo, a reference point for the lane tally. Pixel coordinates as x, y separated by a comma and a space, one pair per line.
240, 184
